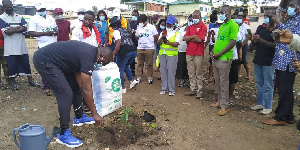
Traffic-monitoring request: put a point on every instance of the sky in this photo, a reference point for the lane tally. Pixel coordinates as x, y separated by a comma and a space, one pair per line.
75, 4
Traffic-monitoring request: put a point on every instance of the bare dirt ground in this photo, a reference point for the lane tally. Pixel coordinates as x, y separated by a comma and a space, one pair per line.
186, 123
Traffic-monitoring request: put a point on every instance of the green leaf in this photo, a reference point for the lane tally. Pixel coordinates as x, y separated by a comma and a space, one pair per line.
153, 125
129, 125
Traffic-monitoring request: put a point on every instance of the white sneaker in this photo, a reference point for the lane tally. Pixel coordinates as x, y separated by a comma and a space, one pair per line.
133, 84
138, 80
124, 90
257, 107
265, 111
162, 92
171, 93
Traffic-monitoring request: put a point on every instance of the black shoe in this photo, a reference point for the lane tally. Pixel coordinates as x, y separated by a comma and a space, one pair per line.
181, 84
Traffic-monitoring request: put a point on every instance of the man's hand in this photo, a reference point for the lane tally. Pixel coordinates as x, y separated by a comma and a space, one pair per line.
216, 56
49, 33
98, 120
256, 38
205, 45
168, 43
285, 36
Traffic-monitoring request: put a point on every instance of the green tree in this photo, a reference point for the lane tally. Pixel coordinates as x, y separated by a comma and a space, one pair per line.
95, 10
245, 1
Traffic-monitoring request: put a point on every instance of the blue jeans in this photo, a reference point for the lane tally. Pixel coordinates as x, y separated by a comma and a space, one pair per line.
264, 76
123, 65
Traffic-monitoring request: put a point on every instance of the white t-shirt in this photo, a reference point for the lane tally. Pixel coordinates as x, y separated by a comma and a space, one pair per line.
170, 35
77, 34
146, 36
117, 35
40, 24
244, 30
75, 23
13, 44
235, 51
182, 44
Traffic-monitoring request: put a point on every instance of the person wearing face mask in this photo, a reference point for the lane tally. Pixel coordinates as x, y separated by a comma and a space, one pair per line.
168, 56
284, 70
182, 71
161, 26
155, 21
67, 67
133, 25
222, 58
43, 27
75, 22
109, 31
244, 33
63, 26
194, 37
15, 51
263, 69
125, 52
147, 35
101, 24
87, 32
213, 28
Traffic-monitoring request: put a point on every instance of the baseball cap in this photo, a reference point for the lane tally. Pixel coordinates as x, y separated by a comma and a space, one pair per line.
39, 6
116, 12
58, 10
171, 20
81, 10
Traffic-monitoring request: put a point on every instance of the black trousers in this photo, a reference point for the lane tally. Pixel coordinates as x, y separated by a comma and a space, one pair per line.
65, 88
284, 110
182, 71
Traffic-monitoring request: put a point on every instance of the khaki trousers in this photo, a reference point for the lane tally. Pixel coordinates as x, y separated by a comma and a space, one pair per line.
142, 55
194, 67
221, 75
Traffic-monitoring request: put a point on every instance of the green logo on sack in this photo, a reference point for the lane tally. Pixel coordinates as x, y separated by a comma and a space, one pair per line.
116, 85
107, 79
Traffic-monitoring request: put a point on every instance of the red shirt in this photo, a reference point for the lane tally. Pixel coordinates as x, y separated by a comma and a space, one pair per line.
196, 49
64, 30
246, 20
1, 39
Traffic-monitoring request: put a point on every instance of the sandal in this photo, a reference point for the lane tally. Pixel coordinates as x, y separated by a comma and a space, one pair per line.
14, 87
33, 84
248, 78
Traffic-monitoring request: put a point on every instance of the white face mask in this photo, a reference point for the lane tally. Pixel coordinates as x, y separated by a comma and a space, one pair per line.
59, 17
80, 17
141, 24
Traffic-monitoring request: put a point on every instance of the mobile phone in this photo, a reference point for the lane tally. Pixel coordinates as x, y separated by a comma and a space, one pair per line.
275, 35
164, 38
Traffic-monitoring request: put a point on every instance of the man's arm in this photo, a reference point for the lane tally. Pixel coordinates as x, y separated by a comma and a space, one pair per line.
208, 39
226, 49
39, 34
13, 30
155, 38
87, 92
196, 40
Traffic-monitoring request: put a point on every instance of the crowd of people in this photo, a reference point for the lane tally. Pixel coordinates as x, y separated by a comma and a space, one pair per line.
66, 64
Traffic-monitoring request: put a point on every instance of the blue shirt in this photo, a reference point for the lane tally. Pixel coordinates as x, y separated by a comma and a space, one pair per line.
102, 30
133, 26
283, 57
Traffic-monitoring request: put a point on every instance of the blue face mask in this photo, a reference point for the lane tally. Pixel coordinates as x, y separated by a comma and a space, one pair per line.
162, 27
291, 11
266, 20
134, 18
238, 21
190, 23
42, 13
102, 18
196, 21
222, 17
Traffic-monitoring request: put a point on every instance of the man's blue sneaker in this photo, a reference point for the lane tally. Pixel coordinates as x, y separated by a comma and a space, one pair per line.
68, 139
83, 120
